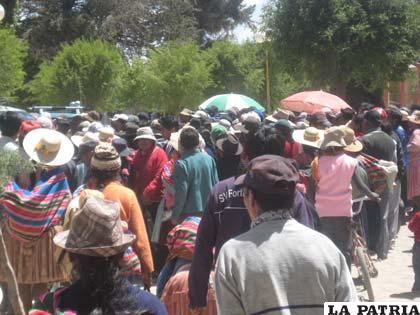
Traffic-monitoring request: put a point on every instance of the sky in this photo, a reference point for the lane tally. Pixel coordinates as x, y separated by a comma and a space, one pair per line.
242, 33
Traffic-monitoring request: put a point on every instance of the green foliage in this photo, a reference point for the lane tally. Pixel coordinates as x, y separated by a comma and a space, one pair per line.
132, 24
341, 41
175, 76
237, 68
216, 16
133, 92
12, 164
86, 70
12, 54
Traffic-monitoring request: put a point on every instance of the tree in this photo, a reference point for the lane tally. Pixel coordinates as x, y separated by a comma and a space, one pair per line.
12, 54
133, 93
86, 70
132, 25
10, 7
237, 68
340, 43
216, 16
174, 76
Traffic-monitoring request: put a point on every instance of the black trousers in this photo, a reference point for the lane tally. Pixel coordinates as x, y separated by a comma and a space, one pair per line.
338, 230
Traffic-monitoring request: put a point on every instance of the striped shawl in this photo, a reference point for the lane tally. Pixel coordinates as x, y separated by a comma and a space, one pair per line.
30, 213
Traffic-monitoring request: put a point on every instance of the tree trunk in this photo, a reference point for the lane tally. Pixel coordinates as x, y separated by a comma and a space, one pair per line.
13, 290
340, 89
356, 95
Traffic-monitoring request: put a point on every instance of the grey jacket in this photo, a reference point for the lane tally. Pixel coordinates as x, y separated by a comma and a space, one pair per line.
281, 267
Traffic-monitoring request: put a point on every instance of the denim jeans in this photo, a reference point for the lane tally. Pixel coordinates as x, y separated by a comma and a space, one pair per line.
166, 273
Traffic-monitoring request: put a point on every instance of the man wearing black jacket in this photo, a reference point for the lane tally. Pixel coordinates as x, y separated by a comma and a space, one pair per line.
226, 217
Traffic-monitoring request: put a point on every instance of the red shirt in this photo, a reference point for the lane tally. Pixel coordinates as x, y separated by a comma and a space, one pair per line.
291, 149
414, 225
148, 167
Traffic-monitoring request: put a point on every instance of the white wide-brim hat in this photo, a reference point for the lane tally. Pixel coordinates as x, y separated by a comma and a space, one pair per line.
88, 136
310, 136
145, 133
174, 140
48, 147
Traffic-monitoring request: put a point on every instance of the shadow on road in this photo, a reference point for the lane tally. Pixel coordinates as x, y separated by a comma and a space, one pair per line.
406, 295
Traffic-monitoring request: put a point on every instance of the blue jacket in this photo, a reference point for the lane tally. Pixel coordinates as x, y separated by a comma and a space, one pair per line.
226, 217
194, 176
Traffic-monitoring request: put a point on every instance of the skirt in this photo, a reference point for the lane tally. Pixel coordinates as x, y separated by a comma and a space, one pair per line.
34, 262
413, 179
175, 295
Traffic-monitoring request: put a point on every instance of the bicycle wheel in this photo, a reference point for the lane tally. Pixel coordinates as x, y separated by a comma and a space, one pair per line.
365, 273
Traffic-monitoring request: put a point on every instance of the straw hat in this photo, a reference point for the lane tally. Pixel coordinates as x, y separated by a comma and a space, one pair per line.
120, 116
96, 230
310, 136
186, 112
415, 117
145, 133
279, 114
404, 115
353, 145
230, 145
200, 114
105, 158
48, 147
88, 136
106, 134
333, 137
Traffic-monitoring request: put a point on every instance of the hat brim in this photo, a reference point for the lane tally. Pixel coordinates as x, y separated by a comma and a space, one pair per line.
61, 157
60, 240
299, 137
356, 146
413, 120
240, 128
125, 152
219, 145
331, 144
145, 137
77, 140
271, 119
240, 181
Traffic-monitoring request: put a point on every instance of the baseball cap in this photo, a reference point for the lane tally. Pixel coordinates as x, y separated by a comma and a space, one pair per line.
373, 117
268, 173
120, 116
121, 146
88, 146
249, 125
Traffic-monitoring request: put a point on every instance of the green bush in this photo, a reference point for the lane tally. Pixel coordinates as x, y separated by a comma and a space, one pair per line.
89, 71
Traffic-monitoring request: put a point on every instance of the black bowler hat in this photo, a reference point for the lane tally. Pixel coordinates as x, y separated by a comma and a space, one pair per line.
270, 174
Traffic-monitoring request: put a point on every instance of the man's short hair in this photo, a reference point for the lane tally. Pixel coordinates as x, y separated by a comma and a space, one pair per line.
269, 202
168, 122
265, 141
10, 124
395, 113
189, 138
348, 113
373, 117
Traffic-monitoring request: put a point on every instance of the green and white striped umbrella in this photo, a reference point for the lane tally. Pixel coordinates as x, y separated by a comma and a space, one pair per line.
225, 101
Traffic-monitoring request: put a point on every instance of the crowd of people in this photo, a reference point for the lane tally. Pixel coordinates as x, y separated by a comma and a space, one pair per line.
226, 212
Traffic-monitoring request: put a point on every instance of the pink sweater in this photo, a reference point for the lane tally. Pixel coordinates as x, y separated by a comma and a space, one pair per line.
333, 197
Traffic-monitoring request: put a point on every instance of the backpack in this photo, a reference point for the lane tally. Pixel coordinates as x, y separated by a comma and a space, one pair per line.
378, 176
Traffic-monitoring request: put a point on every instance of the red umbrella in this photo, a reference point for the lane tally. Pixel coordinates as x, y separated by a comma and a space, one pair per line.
314, 101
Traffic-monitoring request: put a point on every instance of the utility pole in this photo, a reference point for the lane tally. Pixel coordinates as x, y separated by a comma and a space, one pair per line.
267, 82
